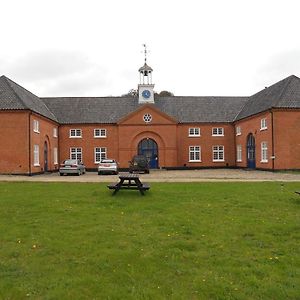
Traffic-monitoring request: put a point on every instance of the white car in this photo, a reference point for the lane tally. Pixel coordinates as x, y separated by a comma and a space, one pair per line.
72, 166
108, 166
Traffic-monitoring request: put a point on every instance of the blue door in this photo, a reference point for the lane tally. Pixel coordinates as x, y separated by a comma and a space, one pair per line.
251, 151
148, 147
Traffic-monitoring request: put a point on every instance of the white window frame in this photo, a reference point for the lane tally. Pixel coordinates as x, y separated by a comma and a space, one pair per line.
239, 153
76, 153
217, 131
100, 133
194, 131
263, 124
264, 152
36, 155
219, 150
55, 156
75, 133
55, 132
195, 153
99, 153
238, 130
36, 126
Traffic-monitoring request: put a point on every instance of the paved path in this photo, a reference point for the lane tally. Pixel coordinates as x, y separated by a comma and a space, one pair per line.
168, 176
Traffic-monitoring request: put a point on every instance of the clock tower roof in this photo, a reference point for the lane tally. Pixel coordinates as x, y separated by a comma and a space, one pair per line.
144, 68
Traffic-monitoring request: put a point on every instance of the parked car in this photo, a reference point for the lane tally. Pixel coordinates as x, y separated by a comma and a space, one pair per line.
108, 166
72, 166
139, 163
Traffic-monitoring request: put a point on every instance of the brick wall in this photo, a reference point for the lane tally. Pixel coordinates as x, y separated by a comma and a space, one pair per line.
14, 142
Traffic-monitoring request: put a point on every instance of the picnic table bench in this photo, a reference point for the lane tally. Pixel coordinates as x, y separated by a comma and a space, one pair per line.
129, 181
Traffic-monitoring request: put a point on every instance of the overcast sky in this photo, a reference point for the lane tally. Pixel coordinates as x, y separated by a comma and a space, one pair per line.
196, 47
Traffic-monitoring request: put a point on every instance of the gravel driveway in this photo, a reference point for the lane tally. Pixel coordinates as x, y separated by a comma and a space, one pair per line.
168, 176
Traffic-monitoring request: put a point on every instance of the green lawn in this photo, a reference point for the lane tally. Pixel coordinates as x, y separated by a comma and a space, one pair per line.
179, 241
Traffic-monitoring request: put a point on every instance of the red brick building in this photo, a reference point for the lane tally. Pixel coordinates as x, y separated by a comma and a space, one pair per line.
260, 131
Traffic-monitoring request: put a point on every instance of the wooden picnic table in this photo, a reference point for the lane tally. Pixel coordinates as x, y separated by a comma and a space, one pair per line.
129, 181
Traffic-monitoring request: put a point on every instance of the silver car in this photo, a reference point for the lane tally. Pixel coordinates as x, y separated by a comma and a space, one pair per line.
108, 166
72, 166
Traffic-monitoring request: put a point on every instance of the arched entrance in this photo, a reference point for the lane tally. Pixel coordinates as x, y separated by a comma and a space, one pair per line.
148, 147
251, 151
45, 157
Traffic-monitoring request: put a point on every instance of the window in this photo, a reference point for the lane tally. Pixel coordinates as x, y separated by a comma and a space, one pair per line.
264, 152
263, 124
195, 153
239, 153
76, 153
100, 153
55, 156
147, 118
75, 133
54, 132
36, 126
194, 131
36, 155
218, 153
217, 131
99, 133
238, 130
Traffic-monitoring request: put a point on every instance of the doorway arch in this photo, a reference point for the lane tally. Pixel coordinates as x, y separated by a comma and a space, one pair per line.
149, 148
251, 151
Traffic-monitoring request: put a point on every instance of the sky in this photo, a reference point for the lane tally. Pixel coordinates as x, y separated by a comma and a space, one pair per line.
195, 47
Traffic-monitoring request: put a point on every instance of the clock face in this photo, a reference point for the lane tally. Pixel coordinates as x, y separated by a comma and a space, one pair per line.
146, 94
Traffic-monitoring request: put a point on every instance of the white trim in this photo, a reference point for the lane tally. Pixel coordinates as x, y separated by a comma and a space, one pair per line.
195, 152
263, 124
76, 135
100, 136
36, 126
218, 151
55, 156
36, 155
192, 132
76, 153
103, 154
238, 131
218, 129
238, 153
264, 152
55, 132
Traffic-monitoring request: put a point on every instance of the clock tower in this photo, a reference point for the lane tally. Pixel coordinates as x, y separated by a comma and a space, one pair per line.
146, 93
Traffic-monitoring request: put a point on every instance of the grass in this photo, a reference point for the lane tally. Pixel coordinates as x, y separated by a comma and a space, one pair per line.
179, 241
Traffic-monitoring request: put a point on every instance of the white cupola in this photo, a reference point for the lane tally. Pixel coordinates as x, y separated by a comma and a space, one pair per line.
145, 87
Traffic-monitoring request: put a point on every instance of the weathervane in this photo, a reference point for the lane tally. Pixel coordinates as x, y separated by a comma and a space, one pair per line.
145, 52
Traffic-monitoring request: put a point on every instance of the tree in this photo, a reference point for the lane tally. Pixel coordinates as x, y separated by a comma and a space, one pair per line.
165, 94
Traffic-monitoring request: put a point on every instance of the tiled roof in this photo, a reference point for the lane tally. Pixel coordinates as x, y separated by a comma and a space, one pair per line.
109, 110
13, 96
112, 109
283, 94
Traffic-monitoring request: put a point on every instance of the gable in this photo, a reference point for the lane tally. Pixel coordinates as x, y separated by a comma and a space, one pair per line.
147, 114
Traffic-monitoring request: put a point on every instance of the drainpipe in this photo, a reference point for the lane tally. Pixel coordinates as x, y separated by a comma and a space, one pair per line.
29, 141
273, 150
